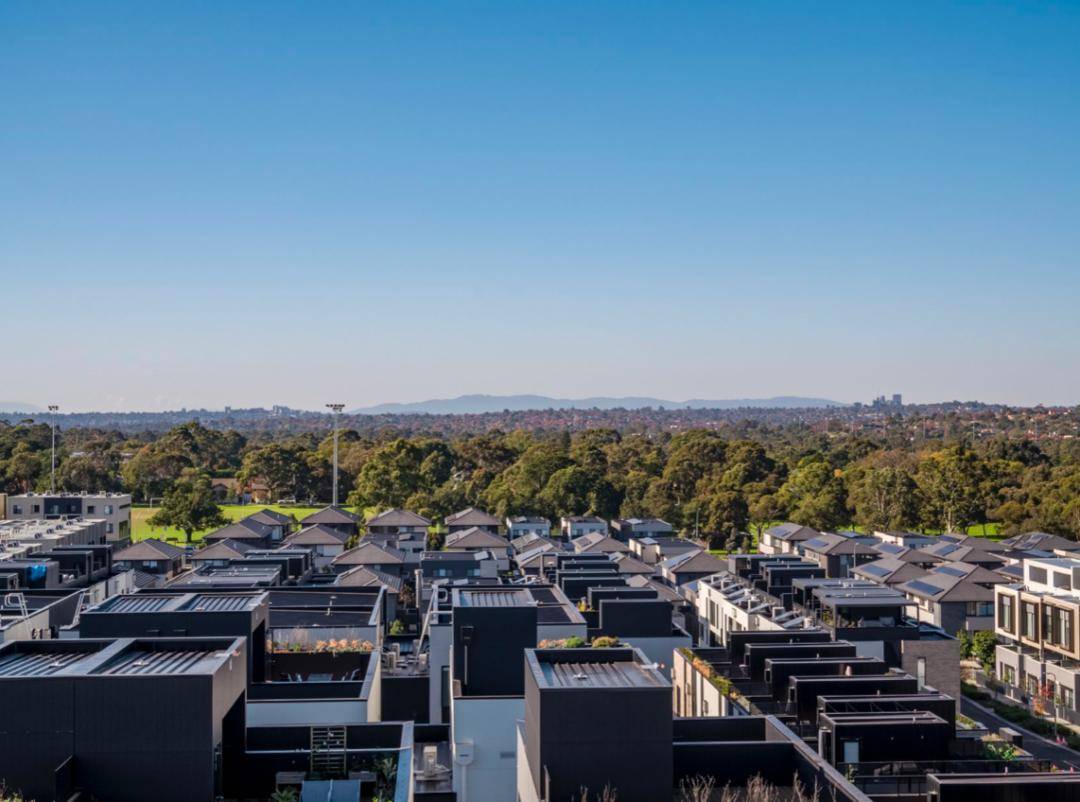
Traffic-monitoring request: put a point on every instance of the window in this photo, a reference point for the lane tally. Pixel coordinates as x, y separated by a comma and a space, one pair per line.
1005, 613
108, 509
980, 608
149, 564
37, 508
1063, 581
1066, 640
920, 672
90, 509
1037, 574
1029, 627
16, 509
1066, 698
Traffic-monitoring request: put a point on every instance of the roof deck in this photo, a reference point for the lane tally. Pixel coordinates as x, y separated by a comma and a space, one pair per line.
593, 668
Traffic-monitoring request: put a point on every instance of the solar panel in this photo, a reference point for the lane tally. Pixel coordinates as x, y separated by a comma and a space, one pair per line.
876, 570
951, 571
924, 587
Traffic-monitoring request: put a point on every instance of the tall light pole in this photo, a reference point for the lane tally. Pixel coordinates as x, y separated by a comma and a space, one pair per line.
53, 409
337, 410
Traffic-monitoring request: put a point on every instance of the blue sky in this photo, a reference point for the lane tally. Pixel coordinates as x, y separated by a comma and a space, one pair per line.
216, 203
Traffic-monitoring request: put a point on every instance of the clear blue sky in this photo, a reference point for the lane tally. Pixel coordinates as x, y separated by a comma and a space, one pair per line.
210, 203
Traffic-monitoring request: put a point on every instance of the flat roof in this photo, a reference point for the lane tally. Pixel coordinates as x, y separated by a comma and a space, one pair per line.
598, 675
177, 602
117, 657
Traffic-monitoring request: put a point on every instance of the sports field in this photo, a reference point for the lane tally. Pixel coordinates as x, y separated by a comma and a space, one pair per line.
141, 528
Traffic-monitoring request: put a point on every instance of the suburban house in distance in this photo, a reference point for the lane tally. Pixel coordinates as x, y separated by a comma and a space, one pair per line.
279, 523
785, 538
954, 596
470, 518
598, 543
336, 518
839, 553
626, 528
151, 557
521, 525
324, 542
113, 508
397, 521
574, 526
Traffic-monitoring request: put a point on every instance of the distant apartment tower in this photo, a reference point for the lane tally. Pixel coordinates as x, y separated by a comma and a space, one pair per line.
113, 508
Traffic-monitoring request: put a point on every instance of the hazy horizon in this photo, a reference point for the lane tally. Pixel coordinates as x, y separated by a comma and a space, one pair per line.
210, 205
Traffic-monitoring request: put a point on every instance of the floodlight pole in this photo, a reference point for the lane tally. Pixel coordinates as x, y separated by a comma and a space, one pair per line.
53, 409
336, 410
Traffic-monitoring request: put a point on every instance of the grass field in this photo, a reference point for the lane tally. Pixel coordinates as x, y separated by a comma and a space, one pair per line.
141, 529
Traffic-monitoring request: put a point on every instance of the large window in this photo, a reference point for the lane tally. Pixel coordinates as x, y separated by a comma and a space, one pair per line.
1029, 623
1037, 574
1005, 613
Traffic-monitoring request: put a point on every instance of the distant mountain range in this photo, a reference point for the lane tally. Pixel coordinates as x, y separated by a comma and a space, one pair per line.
473, 404
18, 406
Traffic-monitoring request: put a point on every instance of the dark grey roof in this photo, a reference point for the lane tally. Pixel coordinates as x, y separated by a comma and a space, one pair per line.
370, 553
471, 516
331, 515
398, 517
150, 549
317, 535
269, 517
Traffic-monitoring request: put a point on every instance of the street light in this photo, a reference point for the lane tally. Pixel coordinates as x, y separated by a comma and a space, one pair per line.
337, 410
53, 409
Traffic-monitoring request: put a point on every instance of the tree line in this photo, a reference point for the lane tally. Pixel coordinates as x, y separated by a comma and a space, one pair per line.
712, 482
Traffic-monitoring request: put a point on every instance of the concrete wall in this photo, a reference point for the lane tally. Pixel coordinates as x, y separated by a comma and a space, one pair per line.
485, 747
289, 712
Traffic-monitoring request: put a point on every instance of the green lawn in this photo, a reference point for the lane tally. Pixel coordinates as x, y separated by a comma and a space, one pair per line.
141, 529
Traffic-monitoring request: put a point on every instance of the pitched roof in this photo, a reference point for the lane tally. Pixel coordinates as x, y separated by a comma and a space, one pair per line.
362, 577
583, 519
471, 516
629, 564
223, 550
317, 535
694, 562
331, 515
528, 519
662, 590
475, 538
541, 556
370, 553
269, 517
398, 517
831, 543
597, 541
889, 571
531, 540
790, 531
1042, 541
150, 549
244, 529
955, 582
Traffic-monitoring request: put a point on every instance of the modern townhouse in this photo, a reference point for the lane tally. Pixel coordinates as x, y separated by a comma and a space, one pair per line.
785, 538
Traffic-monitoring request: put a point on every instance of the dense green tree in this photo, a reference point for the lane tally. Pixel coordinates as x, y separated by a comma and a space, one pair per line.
189, 506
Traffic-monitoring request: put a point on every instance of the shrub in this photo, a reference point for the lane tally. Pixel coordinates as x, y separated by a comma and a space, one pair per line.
605, 642
397, 628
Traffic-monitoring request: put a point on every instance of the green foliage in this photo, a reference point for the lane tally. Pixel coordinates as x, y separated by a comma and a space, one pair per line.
605, 642
397, 627
983, 646
190, 506
284, 795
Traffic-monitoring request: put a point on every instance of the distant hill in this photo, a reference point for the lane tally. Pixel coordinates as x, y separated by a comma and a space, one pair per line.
18, 406
473, 404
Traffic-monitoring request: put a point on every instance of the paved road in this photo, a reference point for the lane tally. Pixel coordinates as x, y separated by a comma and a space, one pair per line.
1039, 747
